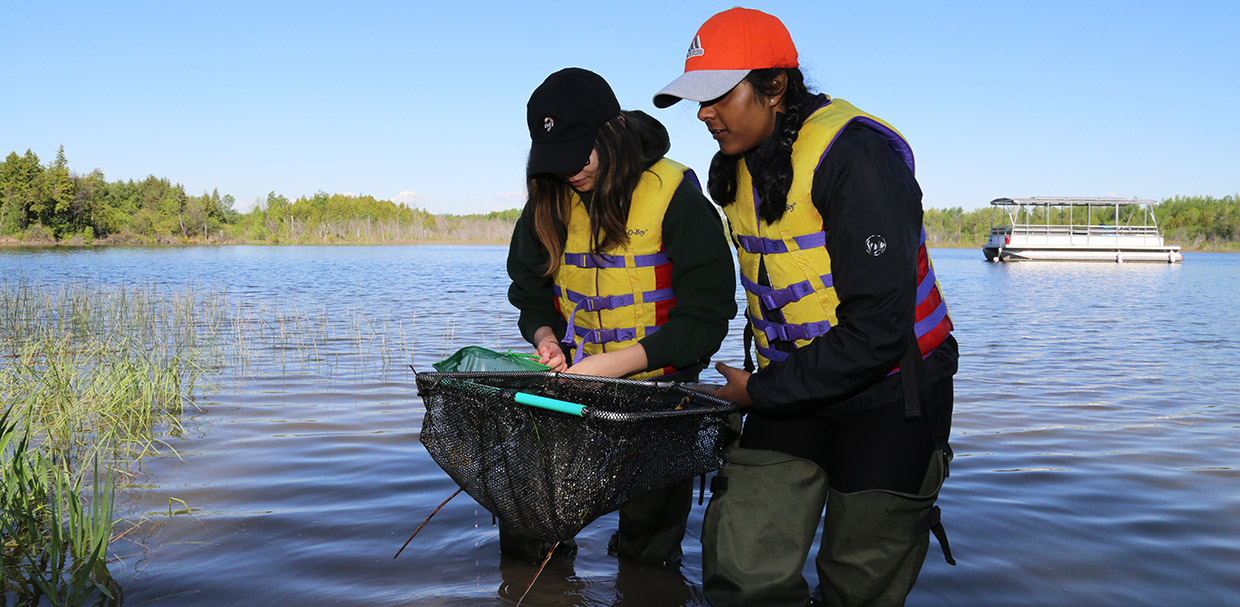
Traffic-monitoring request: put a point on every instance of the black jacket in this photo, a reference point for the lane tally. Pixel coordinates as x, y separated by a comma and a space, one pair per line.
862, 189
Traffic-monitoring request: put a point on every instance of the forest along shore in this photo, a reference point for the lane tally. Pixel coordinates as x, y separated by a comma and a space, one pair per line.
52, 205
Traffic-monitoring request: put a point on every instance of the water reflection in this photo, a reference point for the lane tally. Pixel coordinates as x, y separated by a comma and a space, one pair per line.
1095, 435
632, 586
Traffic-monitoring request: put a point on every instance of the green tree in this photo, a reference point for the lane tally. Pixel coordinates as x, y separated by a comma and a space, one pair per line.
21, 185
59, 191
87, 192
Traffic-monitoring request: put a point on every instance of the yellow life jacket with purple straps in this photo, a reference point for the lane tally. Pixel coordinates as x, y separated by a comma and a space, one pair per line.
614, 299
793, 249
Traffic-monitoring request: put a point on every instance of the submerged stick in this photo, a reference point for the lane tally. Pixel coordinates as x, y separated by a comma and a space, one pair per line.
538, 573
428, 519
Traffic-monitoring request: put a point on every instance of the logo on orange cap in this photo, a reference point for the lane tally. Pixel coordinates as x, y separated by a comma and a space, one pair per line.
695, 48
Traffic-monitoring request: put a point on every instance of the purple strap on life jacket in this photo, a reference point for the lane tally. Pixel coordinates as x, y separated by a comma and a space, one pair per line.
926, 286
772, 354
602, 260
594, 303
770, 246
790, 331
774, 299
928, 281
928, 323
603, 336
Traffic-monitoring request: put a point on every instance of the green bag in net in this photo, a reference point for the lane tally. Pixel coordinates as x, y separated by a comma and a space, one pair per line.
476, 358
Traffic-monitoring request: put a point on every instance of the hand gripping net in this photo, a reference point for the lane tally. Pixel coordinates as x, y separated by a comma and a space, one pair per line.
548, 474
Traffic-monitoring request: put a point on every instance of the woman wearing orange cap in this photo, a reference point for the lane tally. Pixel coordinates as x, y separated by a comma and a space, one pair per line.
613, 272
851, 402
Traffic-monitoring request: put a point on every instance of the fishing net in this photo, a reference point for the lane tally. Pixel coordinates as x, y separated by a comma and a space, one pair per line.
547, 473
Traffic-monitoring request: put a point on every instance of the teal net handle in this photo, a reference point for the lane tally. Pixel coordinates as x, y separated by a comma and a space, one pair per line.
563, 406
542, 402
524, 398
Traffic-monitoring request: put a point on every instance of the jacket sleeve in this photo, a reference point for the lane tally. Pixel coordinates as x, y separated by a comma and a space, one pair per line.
703, 280
871, 207
531, 292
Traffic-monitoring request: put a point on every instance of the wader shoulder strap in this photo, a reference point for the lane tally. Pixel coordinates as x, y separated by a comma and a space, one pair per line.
910, 364
748, 344
913, 367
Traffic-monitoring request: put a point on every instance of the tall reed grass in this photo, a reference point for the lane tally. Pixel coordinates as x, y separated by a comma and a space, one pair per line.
55, 532
90, 379
94, 378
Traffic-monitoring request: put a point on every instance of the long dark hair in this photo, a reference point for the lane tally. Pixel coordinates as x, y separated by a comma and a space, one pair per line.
775, 178
627, 145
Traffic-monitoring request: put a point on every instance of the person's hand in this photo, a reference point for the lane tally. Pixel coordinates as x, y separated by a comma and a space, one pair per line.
736, 390
550, 354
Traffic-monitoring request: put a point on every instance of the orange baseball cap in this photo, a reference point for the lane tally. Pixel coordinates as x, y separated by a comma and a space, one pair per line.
723, 52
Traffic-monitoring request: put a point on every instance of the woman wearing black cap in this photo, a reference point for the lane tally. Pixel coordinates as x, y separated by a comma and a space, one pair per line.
613, 272
851, 404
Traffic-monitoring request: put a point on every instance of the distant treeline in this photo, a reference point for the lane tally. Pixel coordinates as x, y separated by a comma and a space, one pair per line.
49, 204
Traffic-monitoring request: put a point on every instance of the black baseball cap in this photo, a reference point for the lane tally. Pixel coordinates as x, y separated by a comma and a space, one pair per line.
564, 114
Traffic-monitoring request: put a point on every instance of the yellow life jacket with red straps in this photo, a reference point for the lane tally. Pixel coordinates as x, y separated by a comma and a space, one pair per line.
794, 252
614, 299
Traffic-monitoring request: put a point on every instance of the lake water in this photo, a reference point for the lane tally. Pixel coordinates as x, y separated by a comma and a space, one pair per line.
1097, 437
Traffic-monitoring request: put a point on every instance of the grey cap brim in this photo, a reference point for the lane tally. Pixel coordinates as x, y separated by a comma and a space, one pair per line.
699, 85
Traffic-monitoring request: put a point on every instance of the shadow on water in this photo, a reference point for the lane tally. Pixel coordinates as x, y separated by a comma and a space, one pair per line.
1095, 432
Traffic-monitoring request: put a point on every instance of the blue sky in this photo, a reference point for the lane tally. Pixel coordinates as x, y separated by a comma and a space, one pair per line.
425, 102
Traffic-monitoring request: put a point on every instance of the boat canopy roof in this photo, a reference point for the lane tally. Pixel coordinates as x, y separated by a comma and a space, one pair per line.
1056, 201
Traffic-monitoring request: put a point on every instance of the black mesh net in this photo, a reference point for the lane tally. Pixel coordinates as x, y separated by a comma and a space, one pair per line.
547, 474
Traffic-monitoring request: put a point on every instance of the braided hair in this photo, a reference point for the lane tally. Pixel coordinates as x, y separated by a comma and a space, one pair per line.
775, 178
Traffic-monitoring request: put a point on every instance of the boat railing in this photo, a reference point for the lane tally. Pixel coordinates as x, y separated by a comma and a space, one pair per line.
1079, 234
1101, 230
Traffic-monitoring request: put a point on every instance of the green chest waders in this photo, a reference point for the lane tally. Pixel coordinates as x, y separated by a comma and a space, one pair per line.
759, 528
761, 522
874, 542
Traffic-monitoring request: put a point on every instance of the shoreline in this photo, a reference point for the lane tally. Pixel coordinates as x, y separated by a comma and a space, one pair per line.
82, 245
10, 243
